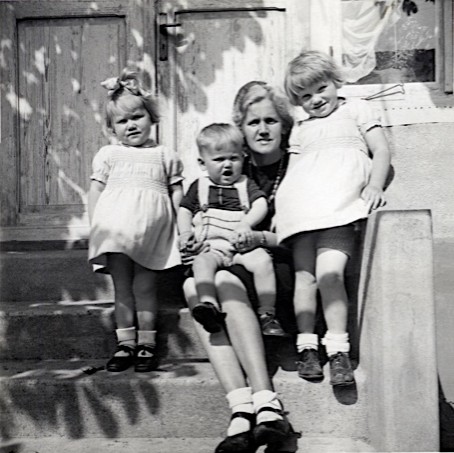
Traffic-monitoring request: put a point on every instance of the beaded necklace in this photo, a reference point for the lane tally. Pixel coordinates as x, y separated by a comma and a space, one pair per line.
278, 178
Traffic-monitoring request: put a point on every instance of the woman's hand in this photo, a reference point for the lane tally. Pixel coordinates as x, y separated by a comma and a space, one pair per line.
247, 240
373, 196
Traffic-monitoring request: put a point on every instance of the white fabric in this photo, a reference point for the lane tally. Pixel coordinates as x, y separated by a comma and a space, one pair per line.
349, 31
336, 342
329, 166
134, 213
306, 341
362, 24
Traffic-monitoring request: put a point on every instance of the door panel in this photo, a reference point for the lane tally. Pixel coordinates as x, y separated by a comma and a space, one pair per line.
208, 50
60, 125
54, 55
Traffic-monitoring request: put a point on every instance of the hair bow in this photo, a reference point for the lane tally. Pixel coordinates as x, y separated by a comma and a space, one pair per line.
114, 84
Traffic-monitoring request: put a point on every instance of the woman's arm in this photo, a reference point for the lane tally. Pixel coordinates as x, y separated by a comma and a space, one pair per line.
378, 146
96, 188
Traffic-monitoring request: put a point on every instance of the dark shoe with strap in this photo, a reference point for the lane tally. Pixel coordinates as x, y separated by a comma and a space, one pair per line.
148, 362
271, 326
341, 370
209, 316
272, 432
121, 362
239, 443
308, 365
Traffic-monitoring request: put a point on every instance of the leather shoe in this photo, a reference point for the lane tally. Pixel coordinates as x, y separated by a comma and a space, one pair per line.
239, 443
145, 363
121, 362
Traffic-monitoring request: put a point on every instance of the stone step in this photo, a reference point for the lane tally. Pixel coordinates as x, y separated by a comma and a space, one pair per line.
84, 330
307, 444
65, 275
58, 399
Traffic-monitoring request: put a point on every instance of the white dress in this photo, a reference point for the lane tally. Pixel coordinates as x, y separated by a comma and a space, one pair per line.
328, 168
134, 213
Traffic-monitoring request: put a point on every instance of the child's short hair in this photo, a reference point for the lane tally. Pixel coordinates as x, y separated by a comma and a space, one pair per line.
307, 68
129, 83
217, 136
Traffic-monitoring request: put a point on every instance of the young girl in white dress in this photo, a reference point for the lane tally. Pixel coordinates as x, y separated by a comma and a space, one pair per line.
331, 182
135, 191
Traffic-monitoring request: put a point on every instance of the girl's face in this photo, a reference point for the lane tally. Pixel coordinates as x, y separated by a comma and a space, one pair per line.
262, 129
320, 99
131, 122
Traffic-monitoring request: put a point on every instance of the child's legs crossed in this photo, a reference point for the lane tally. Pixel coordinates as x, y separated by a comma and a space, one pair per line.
204, 267
260, 264
121, 268
305, 296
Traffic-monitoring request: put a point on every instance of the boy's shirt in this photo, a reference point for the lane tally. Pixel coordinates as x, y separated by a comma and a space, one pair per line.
220, 197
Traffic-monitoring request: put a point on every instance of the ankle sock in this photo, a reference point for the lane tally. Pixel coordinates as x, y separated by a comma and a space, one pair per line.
336, 342
146, 338
264, 399
306, 341
126, 337
240, 400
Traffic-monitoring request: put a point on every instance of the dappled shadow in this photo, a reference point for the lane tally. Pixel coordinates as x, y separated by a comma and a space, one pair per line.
71, 404
198, 60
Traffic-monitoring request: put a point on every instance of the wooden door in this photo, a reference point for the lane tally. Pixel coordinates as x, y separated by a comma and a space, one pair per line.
208, 49
53, 56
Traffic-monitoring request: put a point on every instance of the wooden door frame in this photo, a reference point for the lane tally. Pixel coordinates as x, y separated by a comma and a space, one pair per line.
140, 50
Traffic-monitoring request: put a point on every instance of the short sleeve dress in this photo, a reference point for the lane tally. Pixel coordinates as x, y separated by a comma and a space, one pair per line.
328, 168
134, 213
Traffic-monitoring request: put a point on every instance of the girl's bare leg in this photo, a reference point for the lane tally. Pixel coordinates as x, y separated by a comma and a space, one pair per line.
145, 294
305, 296
330, 276
121, 268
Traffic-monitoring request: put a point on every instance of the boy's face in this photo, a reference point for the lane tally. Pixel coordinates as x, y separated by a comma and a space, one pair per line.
224, 164
319, 99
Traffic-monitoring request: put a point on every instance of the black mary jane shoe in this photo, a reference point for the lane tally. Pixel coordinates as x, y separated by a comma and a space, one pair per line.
271, 432
121, 362
209, 316
145, 363
239, 443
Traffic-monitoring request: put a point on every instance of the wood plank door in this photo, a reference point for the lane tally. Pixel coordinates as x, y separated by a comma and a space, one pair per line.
53, 57
208, 49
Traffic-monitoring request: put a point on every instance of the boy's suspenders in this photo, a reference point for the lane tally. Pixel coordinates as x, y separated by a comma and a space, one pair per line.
206, 218
241, 187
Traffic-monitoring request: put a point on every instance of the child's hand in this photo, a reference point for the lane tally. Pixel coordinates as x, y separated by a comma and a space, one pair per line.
185, 240
191, 250
374, 197
243, 228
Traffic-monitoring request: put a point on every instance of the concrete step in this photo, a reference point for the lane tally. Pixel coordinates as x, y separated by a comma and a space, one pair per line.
65, 275
84, 330
306, 444
181, 400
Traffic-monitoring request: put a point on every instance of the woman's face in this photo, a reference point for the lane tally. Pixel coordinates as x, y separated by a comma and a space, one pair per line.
262, 129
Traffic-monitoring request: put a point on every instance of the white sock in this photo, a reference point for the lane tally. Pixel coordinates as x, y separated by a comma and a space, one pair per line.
266, 398
240, 400
146, 337
126, 337
336, 342
306, 341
